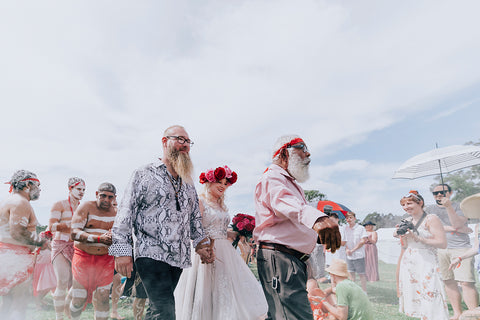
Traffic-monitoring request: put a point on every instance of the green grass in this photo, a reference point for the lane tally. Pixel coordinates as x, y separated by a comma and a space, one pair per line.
382, 294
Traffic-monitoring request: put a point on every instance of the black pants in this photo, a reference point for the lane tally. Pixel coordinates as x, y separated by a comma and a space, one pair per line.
159, 280
284, 282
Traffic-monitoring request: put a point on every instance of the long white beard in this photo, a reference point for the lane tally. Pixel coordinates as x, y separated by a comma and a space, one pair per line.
182, 164
298, 168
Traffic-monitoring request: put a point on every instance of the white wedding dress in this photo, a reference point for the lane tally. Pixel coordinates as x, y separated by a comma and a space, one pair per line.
225, 289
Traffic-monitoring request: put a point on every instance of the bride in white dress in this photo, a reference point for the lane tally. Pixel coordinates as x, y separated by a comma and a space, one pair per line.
225, 289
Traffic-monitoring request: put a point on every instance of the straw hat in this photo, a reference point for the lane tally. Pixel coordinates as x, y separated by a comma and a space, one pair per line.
471, 206
338, 267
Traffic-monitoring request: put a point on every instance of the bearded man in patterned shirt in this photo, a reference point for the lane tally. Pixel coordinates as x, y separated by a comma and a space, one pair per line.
160, 208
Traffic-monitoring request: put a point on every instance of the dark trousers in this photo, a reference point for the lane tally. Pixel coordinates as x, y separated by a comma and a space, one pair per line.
284, 282
159, 280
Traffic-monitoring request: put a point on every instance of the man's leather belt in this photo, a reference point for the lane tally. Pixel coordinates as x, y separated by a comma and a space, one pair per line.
280, 247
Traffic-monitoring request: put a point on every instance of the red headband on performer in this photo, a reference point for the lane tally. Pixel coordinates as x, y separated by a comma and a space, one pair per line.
27, 179
287, 145
74, 185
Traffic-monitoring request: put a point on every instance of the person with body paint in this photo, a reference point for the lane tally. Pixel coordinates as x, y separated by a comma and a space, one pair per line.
62, 244
92, 267
19, 243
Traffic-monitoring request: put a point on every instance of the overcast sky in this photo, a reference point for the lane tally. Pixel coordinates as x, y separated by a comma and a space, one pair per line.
88, 87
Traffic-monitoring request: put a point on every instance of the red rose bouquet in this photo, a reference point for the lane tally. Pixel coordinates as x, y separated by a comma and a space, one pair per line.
46, 235
244, 225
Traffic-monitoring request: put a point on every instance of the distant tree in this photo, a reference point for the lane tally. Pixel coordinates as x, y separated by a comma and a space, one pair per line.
314, 195
464, 182
383, 220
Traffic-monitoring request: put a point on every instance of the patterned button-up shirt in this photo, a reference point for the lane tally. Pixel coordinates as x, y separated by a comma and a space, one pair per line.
149, 212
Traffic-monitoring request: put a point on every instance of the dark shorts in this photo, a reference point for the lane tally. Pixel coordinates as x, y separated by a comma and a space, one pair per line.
357, 265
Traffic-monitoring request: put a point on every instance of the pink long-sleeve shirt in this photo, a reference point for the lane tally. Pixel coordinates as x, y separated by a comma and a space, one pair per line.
282, 213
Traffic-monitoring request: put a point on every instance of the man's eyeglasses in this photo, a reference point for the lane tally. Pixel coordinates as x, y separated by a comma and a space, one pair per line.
181, 140
300, 146
436, 193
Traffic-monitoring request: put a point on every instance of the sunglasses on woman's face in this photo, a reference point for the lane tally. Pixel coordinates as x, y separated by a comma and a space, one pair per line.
436, 193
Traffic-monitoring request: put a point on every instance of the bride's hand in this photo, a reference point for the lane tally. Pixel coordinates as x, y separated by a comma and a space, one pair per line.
232, 235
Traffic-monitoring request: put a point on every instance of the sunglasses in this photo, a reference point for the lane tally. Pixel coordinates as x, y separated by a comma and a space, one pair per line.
411, 194
300, 146
436, 193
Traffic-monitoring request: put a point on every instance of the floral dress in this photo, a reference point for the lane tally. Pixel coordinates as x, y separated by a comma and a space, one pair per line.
421, 289
225, 289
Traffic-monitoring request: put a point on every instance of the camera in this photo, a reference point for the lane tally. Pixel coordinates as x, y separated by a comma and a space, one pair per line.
404, 226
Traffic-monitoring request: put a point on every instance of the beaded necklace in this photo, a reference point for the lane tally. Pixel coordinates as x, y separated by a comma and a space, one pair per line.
177, 186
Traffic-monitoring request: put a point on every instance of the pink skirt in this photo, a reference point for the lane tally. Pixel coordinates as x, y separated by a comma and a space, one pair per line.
43, 275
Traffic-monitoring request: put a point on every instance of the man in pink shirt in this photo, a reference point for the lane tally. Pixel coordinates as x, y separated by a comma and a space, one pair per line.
287, 229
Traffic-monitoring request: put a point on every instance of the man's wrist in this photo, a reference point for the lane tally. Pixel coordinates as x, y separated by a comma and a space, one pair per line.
204, 242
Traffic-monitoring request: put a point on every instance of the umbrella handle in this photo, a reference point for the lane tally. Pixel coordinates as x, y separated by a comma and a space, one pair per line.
440, 166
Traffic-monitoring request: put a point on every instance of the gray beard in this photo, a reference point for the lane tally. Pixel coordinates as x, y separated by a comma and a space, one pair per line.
298, 168
182, 164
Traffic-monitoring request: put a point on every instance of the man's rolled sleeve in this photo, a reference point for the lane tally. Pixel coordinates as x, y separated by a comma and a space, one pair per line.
285, 202
309, 215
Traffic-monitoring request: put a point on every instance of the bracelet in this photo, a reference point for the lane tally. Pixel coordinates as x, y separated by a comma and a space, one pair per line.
98, 239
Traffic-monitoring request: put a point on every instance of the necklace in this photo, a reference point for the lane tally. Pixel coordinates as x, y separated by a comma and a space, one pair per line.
177, 186
70, 204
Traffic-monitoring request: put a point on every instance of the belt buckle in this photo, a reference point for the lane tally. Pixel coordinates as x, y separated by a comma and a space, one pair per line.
304, 257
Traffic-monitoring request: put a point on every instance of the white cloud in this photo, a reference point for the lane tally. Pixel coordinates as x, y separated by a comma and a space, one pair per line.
89, 88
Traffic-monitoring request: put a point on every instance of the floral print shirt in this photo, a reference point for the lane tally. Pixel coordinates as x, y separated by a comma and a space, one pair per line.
149, 223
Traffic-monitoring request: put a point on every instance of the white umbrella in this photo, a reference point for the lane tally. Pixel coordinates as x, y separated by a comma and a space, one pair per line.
438, 161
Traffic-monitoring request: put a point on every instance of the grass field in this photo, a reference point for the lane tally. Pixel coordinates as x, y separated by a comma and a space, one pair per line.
382, 294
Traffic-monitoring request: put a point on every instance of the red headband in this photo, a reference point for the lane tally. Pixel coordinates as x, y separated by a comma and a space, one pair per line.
287, 145
74, 185
27, 179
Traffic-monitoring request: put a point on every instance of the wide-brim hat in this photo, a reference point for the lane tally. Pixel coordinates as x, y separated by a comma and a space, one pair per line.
338, 267
369, 223
471, 206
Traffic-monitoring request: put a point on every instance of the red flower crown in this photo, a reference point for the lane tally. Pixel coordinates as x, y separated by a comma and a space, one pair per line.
218, 174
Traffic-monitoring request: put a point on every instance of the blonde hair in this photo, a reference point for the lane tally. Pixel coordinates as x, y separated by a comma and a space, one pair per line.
350, 213
220, 202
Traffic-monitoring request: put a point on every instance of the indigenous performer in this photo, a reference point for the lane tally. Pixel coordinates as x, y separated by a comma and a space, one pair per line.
419, 286
371, 252
44, 279
62, 244
225, 289
92, 267
287, 229
19, 243
158, 216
